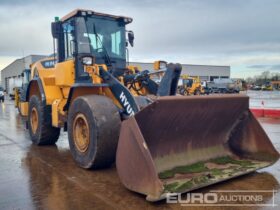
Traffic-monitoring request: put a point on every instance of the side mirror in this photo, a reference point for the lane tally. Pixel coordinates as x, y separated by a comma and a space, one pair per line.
131, 38
56, 29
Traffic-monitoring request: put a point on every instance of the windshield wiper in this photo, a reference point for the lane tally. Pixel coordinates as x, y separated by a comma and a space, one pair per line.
106, 55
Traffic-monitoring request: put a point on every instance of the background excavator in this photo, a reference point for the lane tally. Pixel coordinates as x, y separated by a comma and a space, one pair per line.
161, 143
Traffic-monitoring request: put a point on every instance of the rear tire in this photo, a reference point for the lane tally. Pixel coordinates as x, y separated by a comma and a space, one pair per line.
93, 131
40, 129
183, 91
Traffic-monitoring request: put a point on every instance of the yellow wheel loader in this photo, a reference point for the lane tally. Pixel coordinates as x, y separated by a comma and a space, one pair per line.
20, 91
161, 142
190, 86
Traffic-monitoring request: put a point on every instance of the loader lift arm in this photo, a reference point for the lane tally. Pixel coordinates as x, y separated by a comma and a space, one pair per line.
167, 86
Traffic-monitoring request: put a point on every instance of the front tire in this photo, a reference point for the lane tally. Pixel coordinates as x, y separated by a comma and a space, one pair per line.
93, 131
183, 91
41, 130
197, 92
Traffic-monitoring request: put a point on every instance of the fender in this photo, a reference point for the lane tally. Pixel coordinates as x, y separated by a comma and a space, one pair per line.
79, 85
38, 82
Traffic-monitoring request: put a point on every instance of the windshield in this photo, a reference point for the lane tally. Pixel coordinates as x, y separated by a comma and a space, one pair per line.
100, 36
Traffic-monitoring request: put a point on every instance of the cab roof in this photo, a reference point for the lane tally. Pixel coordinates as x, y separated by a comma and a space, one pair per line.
91, 12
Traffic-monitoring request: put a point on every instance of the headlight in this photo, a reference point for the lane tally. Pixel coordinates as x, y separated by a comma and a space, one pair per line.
87, 60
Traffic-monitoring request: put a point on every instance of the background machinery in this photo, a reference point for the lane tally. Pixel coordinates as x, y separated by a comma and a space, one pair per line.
225, 85
190, 86
267, 86
21, 91
2, 94
161, 142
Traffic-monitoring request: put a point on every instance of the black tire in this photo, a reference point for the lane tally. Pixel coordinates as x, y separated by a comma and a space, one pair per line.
45, 134
103, 121
197, 92
181, 91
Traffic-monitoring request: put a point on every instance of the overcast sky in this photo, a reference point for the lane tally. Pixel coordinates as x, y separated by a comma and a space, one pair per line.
239, 33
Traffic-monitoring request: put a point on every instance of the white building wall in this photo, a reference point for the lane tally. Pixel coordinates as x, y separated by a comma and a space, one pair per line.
11, 75
205, 72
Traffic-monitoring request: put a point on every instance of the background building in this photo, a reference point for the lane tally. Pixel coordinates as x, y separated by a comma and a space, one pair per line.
11, 75
205, 72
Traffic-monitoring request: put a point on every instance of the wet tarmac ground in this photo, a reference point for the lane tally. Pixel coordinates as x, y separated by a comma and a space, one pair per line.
33, 177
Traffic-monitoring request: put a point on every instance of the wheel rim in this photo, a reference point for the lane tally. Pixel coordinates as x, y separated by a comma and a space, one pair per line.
34, 120
81, 133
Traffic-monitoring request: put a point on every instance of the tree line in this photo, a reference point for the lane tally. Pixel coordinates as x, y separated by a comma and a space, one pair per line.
264, 78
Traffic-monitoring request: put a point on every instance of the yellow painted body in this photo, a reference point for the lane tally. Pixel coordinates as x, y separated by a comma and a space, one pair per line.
159, 64
57, 81
20, 105
48, 78
64, 73
17, 99
267, 88
23, 106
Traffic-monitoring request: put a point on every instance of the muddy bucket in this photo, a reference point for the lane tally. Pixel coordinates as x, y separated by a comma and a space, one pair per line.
178, 144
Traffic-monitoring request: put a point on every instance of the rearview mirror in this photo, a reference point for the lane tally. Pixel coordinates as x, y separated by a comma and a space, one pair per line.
131, 38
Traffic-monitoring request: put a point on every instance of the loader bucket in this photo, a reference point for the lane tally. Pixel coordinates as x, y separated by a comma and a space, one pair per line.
178, 144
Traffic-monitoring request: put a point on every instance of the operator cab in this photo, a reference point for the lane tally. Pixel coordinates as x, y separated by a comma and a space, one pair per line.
90, 38
188, 82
